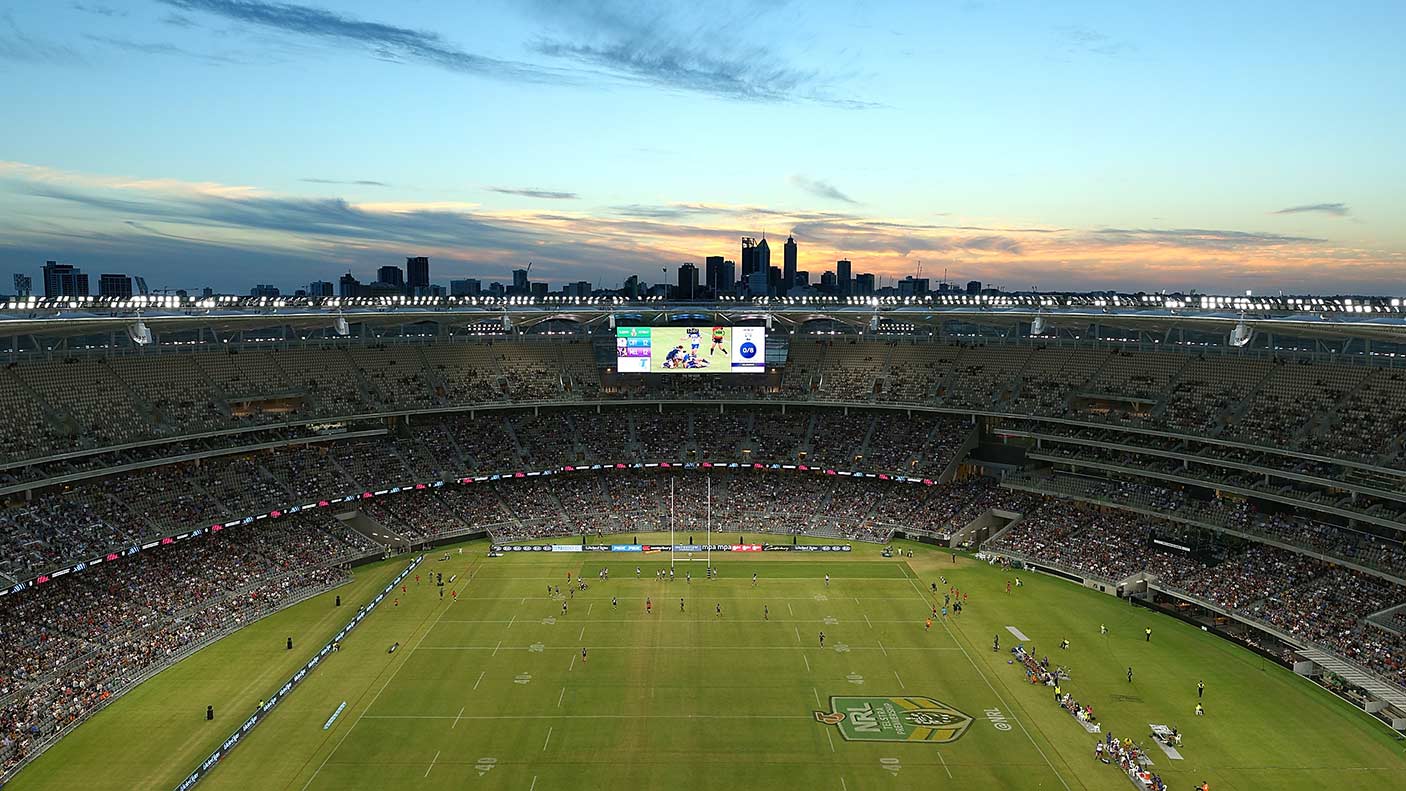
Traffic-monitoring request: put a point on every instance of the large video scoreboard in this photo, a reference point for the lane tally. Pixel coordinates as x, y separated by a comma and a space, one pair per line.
694, 349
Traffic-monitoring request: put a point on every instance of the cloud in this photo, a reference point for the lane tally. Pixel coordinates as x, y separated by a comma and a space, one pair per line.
16, 45
387, 42
694, 50
97, 9
1198, 238
528, 192
356, 183
1082, 39
821, 189
160, 48
1333, 209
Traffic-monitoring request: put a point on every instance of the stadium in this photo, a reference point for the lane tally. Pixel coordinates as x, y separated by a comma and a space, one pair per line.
1015, 541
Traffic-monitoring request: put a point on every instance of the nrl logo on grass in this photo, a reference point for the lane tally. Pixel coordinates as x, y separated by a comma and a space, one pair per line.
903, 718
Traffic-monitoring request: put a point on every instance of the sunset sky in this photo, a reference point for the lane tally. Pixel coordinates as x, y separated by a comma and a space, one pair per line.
1139, 146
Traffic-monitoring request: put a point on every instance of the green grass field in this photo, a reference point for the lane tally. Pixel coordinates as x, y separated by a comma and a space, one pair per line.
489, 690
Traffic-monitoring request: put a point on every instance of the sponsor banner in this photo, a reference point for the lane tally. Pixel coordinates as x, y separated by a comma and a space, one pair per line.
626, 548
907, 718
746, 548
566, 547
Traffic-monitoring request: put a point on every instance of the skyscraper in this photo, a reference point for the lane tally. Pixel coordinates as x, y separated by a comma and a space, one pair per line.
864, 285
348, 286
749, 258
520, 285
64, 280
712, 274
391, 276
842, 278
114, 285
417, 273
764, 256
788, 273
319, 288
688, 282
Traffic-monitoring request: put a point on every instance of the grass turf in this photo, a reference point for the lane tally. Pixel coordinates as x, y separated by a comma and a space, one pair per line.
489, 690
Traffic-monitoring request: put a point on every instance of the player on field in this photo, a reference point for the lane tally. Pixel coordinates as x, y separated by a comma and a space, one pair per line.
754, 579
613, 603
680, 604
718, 335
827, 580
822, 639
583, 655
766, 613
720, 609
648, 606
563, 608
928, 627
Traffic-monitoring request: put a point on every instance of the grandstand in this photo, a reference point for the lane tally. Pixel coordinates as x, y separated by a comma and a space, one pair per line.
160, 497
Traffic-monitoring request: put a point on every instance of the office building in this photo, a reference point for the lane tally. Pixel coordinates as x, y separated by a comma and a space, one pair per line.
912, 286
788, 257
391, 276
469, 287
688, 282
263, 290
828, 282
842, 276
974, 287
348, 286
64, 280
417, 274
24, 285
749, 258
520, 284
115, 285
864, 285
712, 274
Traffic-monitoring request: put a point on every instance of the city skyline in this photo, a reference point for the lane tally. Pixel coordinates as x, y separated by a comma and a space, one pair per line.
230, 143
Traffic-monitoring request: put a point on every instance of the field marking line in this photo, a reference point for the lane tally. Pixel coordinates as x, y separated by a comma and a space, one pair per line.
559, 697
807, 659
944, 765
377, 696
524, 600
534, 783
866, 620
514, 619
573, 662
432, 761
560, 717
457, 718
999, 698
901, 685
818, 704
798, 633
881, 648
548, 740
480, 678
496, 647
690, 647
831, 738
843, 785
590, 607
788, 609
581, 636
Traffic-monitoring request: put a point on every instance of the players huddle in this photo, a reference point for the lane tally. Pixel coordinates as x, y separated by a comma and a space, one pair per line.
691, 355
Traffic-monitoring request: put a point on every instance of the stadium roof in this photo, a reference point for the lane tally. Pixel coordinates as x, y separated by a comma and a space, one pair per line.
1371, 318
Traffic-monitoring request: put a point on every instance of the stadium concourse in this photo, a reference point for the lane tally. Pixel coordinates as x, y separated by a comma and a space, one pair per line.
1261, 493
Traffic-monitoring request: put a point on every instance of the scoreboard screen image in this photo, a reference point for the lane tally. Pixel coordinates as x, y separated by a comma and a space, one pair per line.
693, 349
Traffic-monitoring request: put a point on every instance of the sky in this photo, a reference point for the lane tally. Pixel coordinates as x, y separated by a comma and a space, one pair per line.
1138, 146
